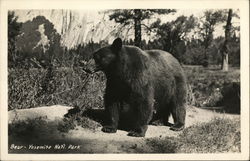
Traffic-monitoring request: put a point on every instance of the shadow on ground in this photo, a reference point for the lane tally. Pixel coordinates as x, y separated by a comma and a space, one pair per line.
40, 135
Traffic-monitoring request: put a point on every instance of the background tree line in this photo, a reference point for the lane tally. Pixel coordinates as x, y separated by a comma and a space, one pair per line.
189, 39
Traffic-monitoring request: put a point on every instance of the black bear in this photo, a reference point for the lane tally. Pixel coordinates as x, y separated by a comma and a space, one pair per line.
151, 83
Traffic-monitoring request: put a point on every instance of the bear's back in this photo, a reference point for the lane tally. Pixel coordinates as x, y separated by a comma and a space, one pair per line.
160, 54
156, 60
154, 54
165, 58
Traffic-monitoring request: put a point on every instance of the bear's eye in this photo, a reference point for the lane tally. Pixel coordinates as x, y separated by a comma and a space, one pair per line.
98, 59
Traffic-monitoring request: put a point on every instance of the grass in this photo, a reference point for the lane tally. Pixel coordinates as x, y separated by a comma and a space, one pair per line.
217, 136
65, 86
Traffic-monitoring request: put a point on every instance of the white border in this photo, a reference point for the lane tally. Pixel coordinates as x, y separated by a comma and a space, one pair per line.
243, 5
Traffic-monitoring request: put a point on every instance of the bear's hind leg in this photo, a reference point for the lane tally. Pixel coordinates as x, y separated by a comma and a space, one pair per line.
178, 108
178, 113
165, 114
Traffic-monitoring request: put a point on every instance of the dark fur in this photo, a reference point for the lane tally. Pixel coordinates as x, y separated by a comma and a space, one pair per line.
148, 81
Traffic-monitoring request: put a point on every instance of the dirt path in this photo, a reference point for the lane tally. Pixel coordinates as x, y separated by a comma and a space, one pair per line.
87, 141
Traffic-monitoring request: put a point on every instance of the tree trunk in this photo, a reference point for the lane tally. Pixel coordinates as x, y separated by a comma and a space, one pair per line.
137, 21
205, 61
225, 62
225, 51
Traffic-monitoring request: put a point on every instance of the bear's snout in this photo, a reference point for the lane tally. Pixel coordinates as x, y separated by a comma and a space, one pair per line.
91, 67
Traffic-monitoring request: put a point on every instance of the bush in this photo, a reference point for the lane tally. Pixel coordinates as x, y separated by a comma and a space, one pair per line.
231, 97
75, 118
66, 86
207, 85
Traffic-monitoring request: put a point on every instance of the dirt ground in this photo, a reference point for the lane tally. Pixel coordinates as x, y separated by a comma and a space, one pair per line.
80, 140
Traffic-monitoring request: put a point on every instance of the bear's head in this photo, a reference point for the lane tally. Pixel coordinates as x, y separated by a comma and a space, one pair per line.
105, 57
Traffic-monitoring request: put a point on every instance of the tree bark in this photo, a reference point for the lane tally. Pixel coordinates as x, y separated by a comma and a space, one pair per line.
137, 21
225, 50
225, 62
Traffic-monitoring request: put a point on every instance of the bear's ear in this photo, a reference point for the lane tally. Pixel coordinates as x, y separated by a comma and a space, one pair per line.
117, 44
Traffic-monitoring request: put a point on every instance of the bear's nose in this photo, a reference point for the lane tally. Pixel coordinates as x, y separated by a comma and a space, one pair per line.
91, 62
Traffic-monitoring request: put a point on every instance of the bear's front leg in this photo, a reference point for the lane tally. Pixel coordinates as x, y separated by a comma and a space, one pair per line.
143, 110
113, 118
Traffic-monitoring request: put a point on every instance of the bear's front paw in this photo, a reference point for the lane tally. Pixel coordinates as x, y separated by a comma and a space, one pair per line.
109, 129
177, 127
168, 124
136, 134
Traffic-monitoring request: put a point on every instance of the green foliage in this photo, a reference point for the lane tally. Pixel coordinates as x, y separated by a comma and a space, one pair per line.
234, 51
13, 32
207, 85
207, 26
136, 17
13, 26
217, 136
172, 34
126, 16
71, 86
231, 97
195, 52
51, 74
66, 86
23, 86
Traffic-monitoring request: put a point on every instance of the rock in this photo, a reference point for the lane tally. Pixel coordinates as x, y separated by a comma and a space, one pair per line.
48, 112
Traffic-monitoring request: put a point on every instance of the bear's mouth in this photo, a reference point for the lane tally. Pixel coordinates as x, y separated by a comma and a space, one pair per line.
92, 71
97, 69
88, 71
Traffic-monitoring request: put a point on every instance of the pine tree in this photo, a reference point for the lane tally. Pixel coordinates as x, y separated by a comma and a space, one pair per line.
135, 17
